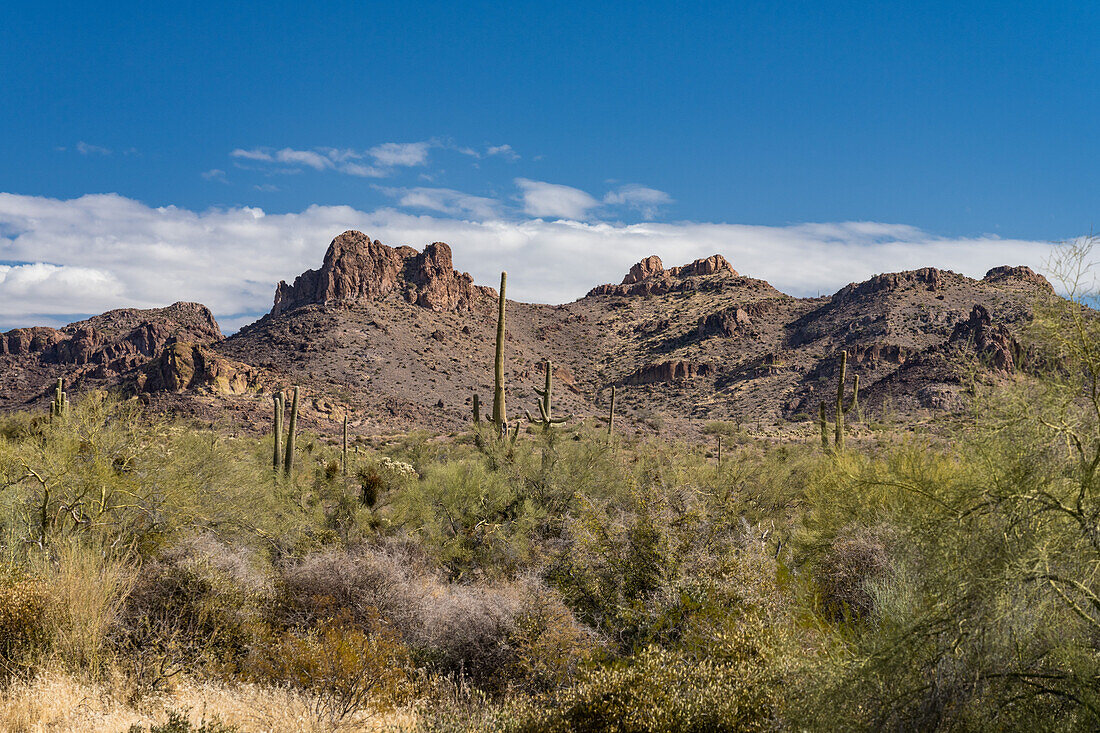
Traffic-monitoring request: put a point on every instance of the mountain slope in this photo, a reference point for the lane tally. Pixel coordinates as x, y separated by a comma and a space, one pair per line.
404, 341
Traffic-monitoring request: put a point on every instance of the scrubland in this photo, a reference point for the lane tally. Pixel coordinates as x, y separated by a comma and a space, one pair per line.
157, 575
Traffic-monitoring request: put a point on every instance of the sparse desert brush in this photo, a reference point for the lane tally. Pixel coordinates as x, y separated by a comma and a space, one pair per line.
361, 581
195, 606
87, 588
347, 669
25, 622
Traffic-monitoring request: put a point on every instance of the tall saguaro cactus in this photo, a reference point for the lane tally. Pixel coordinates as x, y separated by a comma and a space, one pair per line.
611, 415
60, 403
841, 410
545, 406
823, 423
277, 429
292, 427
345, 442
499, 414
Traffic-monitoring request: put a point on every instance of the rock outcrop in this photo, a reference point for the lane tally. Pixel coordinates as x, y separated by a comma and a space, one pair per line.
1019, 273
667, 371
926, 278
24, 341
357, 268
116, 340
732, 322
649, 277
188, 366
993, 342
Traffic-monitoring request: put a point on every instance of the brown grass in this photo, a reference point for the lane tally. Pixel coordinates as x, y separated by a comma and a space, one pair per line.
58, 702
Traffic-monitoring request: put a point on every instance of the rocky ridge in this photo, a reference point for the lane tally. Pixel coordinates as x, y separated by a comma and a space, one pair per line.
405, 341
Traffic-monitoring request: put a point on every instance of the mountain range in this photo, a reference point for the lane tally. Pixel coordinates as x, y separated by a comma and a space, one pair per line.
403, 341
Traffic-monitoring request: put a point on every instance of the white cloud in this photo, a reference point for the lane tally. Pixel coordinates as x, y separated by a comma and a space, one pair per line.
254, 154
387, 156
363, 171
445, 200
400, 154
214, 174
504, 151
85, 149
304, 157
646, 201
553, 200
105, 251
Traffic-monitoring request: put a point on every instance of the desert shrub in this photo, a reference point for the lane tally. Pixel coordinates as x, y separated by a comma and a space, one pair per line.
661, 691
348, 669
856, 562
362, 582
547, 647
88, 589
25, 622
516, 635
734, 688
466, 629
468, 516
198, 604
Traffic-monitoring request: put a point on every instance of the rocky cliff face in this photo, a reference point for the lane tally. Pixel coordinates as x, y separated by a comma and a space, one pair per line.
357, 269
649, 277
187, 366
115, 340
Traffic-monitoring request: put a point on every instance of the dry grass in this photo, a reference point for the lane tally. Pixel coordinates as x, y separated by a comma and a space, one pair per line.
58, 702
88, 590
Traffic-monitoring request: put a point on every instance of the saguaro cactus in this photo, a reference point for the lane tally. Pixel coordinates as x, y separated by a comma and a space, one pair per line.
841, 410
611, 415
545, 408
292, 427
477, 409
345, 442
823, 423
60, 403
499, 414
277, 430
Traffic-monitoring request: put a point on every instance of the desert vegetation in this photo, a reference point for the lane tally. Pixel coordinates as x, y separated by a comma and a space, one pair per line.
159, 575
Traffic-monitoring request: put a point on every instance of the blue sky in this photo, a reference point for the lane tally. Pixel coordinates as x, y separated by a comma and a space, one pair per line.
956, 123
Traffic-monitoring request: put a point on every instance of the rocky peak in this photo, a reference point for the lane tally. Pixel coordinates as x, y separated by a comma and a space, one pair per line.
707, 266
357, 268
1019, 273
649, 277
116, 339
643, 270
